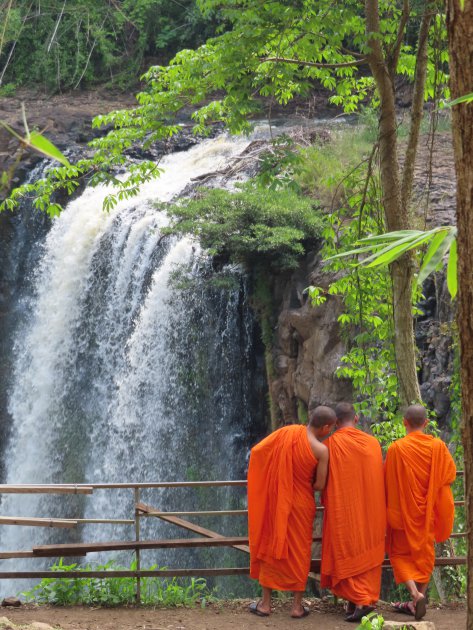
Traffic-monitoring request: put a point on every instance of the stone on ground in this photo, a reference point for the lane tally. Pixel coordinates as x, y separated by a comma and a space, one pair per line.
411, 625
11, 601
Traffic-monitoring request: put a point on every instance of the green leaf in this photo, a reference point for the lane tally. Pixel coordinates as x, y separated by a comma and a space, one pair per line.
353, 252
452, 278
433, 246
436, 258
396, 249
47, 148
390, 236
466, 98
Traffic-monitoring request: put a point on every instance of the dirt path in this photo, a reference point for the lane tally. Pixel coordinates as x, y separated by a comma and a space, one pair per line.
231, 615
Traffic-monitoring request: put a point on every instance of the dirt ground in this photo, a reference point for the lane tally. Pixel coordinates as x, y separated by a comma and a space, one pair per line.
232, 615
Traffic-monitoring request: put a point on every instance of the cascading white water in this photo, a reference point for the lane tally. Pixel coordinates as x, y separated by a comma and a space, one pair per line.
121, 375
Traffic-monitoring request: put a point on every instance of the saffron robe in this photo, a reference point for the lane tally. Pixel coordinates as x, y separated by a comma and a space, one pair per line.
353, 539
419, 470
281, 509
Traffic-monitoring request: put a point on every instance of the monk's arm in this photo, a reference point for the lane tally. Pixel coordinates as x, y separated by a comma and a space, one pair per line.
322, 468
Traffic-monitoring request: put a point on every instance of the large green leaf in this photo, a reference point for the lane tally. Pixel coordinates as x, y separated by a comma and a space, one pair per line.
466, 98
353, 252
452, 278
47, 148
431, 258
390, 236
393, 251
435, 261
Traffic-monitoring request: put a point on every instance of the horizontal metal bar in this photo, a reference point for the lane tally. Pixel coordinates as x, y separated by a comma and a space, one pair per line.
170, 484
118, 545
46, 489
125, 573
37, 522
203, 513
315, 567
115, 521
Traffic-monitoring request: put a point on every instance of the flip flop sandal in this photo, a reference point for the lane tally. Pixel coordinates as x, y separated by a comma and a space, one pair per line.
403, 607
359, 613
253, 608
305, 612
420, 609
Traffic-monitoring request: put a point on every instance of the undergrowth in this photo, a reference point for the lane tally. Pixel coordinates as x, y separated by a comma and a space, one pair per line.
116, 591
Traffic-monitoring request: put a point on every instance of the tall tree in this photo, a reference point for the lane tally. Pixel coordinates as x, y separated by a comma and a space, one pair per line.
460, 39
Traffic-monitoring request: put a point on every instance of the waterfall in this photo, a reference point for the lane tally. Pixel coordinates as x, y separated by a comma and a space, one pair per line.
132, 365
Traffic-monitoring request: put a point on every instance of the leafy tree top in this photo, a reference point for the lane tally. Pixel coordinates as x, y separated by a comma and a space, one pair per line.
276, 50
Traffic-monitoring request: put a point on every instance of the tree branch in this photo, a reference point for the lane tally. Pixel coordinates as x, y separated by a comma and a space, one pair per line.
393, 56
313, 64
416, 111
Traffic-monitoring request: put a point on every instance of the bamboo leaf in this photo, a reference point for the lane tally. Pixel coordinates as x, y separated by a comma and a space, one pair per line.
396, 249
11, 131
390, 236
47, 148
452, 278
466, 98
353, 252
436, 257
433, 247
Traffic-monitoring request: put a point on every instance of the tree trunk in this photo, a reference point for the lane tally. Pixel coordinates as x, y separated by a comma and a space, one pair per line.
460, 40
397, 216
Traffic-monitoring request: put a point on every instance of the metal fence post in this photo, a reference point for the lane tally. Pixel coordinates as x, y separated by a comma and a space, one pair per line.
137, 551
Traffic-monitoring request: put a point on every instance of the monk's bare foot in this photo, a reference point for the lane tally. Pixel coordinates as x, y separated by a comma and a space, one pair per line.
299, 612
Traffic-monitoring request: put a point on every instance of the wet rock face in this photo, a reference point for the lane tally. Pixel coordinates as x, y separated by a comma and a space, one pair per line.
307, 346
434, 338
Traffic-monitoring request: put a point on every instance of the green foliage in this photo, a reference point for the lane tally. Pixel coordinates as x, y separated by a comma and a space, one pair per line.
224, 79
60, 45
383, 249
251, 226
366, 322
279, 165
372, 621
116, 591
8, 89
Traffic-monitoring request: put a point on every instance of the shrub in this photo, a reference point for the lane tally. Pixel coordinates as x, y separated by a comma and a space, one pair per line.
251, 226
116, 591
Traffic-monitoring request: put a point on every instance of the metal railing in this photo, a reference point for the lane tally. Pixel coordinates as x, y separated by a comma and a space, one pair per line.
206, 537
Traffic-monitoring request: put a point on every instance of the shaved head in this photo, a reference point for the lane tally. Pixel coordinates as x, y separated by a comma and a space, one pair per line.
345, 412
416, 415
321, 416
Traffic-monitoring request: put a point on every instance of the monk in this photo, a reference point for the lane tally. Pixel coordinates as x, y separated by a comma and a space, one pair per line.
353, 539
419, 470
281, 507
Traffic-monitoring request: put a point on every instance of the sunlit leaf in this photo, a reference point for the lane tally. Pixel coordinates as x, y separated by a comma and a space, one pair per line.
47, 148
452, 278
395, 250
466, 98
436, 253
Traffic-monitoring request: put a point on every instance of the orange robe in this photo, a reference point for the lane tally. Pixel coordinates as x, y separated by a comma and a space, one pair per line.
281, 509
353, 540
419, 470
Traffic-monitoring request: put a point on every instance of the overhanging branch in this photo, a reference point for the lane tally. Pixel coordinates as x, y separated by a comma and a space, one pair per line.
313, 64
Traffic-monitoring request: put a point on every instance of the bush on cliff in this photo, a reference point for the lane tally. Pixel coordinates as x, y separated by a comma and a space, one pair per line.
250, 226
